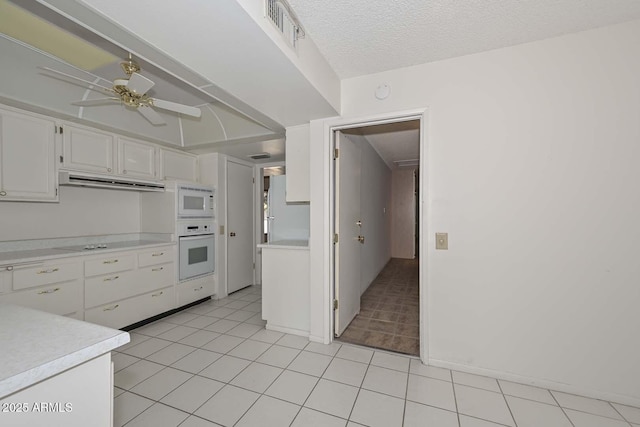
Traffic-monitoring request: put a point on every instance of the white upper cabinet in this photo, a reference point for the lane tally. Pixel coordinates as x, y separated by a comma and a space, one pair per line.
27, 157
297, 163
136, 159
178, 166
88, 150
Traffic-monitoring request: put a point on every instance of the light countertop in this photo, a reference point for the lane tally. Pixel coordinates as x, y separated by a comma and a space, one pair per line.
36, 255
38, 345
286, 244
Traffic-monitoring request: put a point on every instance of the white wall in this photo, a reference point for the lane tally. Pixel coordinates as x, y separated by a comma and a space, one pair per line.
81, 212
533, 171
403, 214
375, 205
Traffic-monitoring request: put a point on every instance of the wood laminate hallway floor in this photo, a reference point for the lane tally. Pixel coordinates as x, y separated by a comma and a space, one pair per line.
389, 310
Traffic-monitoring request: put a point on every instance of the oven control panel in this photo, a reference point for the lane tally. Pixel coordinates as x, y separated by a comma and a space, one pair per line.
195, 228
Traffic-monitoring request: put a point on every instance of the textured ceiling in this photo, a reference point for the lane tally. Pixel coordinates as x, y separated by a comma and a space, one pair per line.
360, 37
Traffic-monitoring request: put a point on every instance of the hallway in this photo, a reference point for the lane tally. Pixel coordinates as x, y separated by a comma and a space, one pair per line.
389, 310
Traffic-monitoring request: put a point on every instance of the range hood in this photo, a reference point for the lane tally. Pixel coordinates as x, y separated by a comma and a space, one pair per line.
83, 179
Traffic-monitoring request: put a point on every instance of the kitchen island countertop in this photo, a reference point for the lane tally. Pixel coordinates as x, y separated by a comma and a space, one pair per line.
38, 345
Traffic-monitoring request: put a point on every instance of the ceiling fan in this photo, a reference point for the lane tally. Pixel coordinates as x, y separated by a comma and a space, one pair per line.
130, 91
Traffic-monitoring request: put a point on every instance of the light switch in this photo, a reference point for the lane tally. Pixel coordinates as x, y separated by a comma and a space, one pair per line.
221, 230
442, 241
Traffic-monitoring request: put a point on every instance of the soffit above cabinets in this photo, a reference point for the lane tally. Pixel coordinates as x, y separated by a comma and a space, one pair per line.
226, 121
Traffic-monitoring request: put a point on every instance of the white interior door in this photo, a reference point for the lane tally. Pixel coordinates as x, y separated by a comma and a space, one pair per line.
348, 247
240, 245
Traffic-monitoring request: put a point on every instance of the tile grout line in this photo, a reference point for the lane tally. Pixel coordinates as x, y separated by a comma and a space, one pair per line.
455, 398
506, 403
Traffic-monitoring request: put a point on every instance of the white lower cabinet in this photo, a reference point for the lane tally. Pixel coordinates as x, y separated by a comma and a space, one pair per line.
131, 310
58, 298
82, 397
194, 290
123, 288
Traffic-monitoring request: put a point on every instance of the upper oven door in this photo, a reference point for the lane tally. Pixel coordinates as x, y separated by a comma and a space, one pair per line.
193, 203
197, 256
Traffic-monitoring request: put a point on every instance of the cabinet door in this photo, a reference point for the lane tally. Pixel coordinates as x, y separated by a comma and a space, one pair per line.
27, 157
87, 150
178, 166
136, 159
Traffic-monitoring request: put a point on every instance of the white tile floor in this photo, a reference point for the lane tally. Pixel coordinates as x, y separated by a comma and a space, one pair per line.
215, 364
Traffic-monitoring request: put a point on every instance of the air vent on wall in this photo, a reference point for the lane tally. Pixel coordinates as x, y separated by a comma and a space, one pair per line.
280, 14
260, 156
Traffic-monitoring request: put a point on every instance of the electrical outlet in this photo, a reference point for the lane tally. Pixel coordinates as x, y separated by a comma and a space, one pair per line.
221, 230
442, 241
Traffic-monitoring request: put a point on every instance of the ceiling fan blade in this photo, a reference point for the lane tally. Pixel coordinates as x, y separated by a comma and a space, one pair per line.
178, 108
76, 80
92, 102
153, 117
139, 84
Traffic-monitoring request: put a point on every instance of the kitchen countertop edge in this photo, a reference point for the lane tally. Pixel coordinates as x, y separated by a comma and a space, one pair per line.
80, 350
64, 253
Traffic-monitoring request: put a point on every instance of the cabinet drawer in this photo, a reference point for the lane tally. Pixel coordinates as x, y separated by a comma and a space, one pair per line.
157, 256
105, 289
126, 312
107, 265
45, 274
6, 278
193, 290
156, 276
61, 298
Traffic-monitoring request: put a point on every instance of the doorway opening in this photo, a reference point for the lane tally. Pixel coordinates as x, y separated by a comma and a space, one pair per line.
377, 235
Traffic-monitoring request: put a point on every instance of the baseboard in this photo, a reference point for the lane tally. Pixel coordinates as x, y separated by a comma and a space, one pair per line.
291, 331
552, 385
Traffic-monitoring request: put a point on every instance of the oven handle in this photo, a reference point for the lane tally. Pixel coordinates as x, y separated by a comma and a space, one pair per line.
198, 237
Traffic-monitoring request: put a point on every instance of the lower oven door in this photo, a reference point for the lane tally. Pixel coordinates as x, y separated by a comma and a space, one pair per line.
197, 256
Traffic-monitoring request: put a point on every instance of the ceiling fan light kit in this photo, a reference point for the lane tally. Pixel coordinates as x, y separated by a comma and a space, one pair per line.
132, 92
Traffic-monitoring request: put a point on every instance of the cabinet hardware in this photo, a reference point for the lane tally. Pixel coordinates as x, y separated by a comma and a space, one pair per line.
111, 279
108, 169
361, 239
198, 289
113, 307
232, 234
157, 269
51, 270
49, 291
111, 261
61, 159
3, 193
158, 254
10, 268
335, 304
359, 223
158, 294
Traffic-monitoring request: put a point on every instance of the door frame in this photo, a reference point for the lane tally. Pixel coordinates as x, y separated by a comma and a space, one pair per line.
330, 127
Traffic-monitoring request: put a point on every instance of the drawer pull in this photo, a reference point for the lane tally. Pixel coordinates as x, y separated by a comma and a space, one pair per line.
113, 307
111, 279
158, 294
51, 270
111, 261
49, 291
157, 269
198, 289
158, 254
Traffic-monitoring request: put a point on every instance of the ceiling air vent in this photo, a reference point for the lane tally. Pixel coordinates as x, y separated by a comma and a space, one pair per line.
260, 156
280, 14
